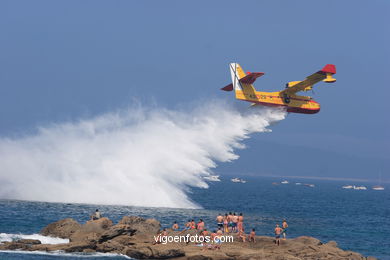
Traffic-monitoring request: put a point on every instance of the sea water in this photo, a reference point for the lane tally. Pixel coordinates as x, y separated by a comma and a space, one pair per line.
357, 220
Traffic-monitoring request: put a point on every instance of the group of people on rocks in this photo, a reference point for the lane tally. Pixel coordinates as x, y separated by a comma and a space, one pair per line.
228, 223
231, 223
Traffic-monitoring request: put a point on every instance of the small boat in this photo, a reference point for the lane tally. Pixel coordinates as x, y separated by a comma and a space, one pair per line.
359, 187
238, 180
378, 187
309, 185
284, 182
347, 187
212, 178
275, 183
298, 183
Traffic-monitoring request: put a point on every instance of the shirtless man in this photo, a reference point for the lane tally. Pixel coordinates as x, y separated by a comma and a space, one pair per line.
241, 218
200, 225
278, 231
235, 221
252, 236
219, 221
175, 226
284, 226
230, 222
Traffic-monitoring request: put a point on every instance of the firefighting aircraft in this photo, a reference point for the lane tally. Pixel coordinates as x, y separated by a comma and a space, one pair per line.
242, 85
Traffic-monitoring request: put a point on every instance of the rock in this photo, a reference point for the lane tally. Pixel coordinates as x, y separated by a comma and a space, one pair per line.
79, 247
139, 253
307, 240
143, 226
117, 230
29, 241
91, 231
63, 228
371, 258
332, 243
199, 257
168, 253
109, 246
133, 236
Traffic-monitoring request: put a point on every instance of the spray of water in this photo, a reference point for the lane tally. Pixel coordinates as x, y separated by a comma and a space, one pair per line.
138, 156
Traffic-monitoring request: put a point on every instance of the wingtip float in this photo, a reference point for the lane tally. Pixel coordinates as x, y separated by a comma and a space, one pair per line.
242, 84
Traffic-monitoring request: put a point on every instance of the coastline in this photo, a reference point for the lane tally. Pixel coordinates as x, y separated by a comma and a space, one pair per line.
133, 236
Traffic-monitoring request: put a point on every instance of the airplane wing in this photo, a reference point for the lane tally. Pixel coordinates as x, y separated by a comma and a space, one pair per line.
248, 79
323, 75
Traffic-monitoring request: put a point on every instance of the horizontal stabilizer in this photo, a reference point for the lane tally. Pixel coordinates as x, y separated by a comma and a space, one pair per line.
228, 87
251, 77
248, 79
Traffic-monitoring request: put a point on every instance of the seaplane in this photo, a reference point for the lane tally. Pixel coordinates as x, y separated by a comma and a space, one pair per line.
242, 84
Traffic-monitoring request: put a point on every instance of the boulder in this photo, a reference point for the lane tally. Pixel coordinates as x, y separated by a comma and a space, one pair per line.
139, 253
29, 241
141, 225
91, 231
79, 247
63, 228
332, 244
117, 230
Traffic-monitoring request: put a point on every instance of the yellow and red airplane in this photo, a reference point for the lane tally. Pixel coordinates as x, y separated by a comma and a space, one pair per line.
242, 85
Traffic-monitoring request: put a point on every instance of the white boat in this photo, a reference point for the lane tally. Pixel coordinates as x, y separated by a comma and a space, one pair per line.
378, 187
309, 185
298, 183
347, 187
359, 187
212, 178
284, 182
238, 180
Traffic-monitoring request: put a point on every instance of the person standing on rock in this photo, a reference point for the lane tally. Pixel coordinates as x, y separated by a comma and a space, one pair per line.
219, 221
278, 232
284, 226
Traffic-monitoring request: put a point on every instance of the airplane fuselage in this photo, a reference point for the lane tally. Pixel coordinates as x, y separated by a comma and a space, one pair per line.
293, 103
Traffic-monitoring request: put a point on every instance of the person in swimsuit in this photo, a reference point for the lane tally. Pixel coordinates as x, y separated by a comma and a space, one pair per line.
234, 221
175, 226
230, 222
200, 225
284, 226
241, 236
225, 224
193, 225
252, 236
278, 232
219, 221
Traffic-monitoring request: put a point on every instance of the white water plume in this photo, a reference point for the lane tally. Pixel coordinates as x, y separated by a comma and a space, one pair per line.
140, 157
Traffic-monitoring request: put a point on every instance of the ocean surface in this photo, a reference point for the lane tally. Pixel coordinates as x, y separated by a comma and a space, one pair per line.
357, 220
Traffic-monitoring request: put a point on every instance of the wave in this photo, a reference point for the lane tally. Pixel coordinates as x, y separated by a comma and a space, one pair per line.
138, 156
4, 237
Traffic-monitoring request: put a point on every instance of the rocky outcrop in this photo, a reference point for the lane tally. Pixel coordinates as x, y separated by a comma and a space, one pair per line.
63, 228
133, 236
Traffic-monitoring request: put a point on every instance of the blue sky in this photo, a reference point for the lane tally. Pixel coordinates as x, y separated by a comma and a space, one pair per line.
61, 60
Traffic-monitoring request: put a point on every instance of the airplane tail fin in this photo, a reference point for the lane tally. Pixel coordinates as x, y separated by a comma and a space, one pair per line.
236, 73
240, 80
